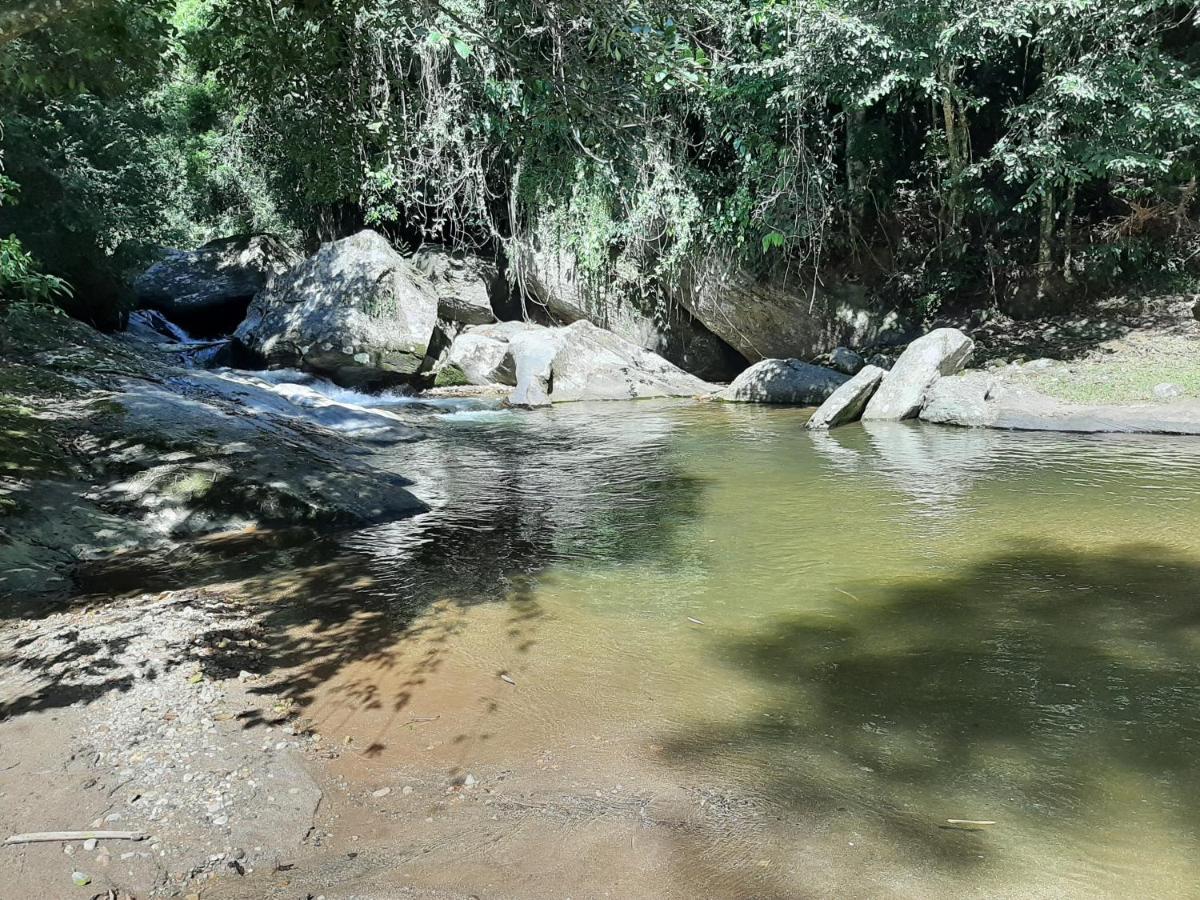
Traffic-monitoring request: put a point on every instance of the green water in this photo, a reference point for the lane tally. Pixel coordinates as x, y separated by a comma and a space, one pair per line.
824, 646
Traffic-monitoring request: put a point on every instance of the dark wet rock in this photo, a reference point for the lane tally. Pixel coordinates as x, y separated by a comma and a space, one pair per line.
584, 362
185, 467
846, 361
207, 290
1196, 310
944, 351
464, 283
788, 381
846, 404
881, 360
357, 311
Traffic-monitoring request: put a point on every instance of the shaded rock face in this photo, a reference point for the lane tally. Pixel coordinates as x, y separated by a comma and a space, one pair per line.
357, 311
185, 467
464, 284
846, 361
787, 381
672, 331
944, 351
846, 404
208, 290
584, 362
776, 315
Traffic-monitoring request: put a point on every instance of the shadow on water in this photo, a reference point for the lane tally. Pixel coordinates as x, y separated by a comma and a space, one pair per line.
1036, 683
508, 510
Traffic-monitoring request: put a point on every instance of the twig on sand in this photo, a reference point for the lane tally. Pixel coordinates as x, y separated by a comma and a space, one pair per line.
970, 822
45, 837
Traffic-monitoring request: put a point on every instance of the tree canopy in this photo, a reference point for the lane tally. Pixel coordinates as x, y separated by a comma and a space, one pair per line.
936, 147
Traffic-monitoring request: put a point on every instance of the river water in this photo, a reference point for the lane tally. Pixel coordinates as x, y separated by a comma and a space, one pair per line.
694, 650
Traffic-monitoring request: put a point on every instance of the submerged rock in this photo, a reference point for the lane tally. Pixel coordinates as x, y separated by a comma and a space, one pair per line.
356, 311
207, 290
784, 381
846, 404
944, 351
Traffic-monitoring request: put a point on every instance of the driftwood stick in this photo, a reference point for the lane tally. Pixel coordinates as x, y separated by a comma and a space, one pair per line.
44, 837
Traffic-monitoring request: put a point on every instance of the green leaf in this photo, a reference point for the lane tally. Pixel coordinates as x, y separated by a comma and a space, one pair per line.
462, 48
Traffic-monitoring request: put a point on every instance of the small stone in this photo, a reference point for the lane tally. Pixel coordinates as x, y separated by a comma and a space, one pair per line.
89, 845
382, 792
407, 790
80, 879
1167, 391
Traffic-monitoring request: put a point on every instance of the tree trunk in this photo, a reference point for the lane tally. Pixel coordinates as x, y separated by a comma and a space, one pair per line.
958, 145
1045, 265
856, 169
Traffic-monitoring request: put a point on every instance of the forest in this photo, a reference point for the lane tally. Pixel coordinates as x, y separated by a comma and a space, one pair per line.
1017, 154
642, 449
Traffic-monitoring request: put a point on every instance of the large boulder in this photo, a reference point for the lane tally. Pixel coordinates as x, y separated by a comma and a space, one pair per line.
584, 362
944, 351
784, 381
481, 356
959, 400
357, 311
847, 403
207, 290
464, 283
777, 314
666, 328
481, 360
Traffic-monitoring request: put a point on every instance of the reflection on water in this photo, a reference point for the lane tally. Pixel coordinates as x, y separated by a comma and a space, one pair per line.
798, 654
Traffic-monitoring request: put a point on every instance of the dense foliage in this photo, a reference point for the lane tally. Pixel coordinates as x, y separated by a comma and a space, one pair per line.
1020, 150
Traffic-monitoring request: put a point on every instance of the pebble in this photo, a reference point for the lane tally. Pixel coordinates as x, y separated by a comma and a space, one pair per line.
382, 792
407, 790
90, 844
80, 879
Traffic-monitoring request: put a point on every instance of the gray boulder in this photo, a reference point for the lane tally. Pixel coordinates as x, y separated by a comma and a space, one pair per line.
207, 290
944, 351
784, 381
481, 359
847, 403
846, 361
356, 311
584, 362
775, 313
666, 328
464, 284
959, 400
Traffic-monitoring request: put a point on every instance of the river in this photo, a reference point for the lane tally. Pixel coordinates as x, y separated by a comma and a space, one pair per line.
693, 650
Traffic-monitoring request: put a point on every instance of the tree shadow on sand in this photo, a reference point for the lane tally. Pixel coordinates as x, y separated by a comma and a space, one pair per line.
1035, 684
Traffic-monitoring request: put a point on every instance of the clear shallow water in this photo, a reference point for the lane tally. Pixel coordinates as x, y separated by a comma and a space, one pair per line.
798, 654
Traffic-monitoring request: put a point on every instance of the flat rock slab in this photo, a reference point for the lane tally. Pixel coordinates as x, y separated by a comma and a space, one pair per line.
846, 404
973, 400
